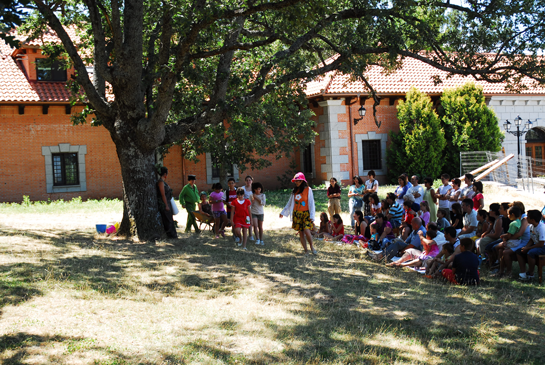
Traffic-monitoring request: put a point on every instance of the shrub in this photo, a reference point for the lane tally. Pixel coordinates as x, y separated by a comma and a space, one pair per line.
418, 147
469, 124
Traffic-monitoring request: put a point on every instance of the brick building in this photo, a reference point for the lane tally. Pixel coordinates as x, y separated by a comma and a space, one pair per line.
45, 157
346, 147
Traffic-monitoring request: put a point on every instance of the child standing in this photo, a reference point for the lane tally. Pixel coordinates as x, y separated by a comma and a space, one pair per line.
240, 216
220, 216
258, 202
334, 197
444, 193
231, 195
247, 193
302, 210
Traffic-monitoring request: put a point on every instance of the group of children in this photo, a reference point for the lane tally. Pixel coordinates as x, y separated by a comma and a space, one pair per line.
449, 233
241, 209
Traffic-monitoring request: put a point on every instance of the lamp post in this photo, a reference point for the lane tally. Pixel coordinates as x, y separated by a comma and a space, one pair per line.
518, 133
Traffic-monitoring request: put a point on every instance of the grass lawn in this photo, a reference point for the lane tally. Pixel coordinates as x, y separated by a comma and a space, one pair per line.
69, 296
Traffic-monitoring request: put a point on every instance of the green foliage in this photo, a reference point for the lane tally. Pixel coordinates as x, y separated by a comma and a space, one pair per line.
285, 178
469, 125
418, 146
251, 136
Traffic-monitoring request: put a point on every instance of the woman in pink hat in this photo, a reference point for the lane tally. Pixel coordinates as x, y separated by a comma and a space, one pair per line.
302, 210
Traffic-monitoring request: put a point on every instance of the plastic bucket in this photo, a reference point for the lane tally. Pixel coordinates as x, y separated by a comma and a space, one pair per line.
101, 228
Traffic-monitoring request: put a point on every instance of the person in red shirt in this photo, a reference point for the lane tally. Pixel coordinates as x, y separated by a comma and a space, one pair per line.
336, 231
240, 216
478, 198
406, 227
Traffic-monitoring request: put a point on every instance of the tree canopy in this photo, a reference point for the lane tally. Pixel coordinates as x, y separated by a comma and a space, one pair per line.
219, 57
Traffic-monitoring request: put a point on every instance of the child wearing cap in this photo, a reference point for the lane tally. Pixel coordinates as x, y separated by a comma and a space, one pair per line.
302, 210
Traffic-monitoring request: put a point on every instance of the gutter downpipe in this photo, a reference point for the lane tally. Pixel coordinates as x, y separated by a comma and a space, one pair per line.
351, 138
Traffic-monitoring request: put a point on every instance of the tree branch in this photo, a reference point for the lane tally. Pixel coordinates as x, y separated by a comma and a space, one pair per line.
234, 47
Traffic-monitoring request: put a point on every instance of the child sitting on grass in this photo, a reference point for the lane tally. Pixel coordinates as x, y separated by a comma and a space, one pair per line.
457, 220
442, 221
482, 226
361, 223
465, 266
433, 265
324, 226
535, 247
336, 231
416, 258
406, 228
508, 242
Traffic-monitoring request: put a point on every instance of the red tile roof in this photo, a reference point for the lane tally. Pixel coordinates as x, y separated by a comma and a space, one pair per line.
49, 36
15, 87
412, 73
14, 84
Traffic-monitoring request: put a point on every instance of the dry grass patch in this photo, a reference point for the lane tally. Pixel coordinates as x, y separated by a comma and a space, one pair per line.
71, 297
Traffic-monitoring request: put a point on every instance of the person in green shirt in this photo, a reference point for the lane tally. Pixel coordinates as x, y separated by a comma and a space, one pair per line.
189, 197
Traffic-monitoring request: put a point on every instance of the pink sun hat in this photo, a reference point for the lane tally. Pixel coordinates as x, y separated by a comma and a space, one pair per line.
299, 176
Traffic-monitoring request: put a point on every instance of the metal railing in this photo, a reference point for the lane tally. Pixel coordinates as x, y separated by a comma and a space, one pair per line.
519, 171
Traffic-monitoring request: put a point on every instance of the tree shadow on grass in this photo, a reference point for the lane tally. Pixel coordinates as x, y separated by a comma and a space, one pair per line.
16, 348
354, 310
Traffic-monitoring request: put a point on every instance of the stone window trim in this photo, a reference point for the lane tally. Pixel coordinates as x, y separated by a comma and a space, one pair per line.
48, 151
209, 179
358, 138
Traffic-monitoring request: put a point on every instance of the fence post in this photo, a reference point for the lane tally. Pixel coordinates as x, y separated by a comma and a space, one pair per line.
460, 163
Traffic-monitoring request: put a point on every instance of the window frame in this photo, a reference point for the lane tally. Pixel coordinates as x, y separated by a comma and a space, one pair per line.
209, 165
309, 149
55, 70
374, 162
63, 163
383, 138
48, 151
215, 170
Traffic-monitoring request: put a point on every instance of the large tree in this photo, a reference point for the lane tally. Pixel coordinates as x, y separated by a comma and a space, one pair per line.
146, 51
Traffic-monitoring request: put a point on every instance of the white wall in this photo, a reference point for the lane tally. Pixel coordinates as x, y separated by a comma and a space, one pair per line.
508, 107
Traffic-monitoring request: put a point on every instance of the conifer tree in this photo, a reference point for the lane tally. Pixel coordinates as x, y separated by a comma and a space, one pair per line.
418, 147
469, 125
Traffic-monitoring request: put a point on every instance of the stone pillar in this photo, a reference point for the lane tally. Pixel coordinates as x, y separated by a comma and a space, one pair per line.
333, 141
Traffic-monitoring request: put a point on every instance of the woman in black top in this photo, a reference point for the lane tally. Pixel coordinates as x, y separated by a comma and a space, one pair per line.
334, 197
164, 195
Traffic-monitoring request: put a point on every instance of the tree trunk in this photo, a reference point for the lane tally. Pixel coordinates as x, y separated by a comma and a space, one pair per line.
223, 175
141, 216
